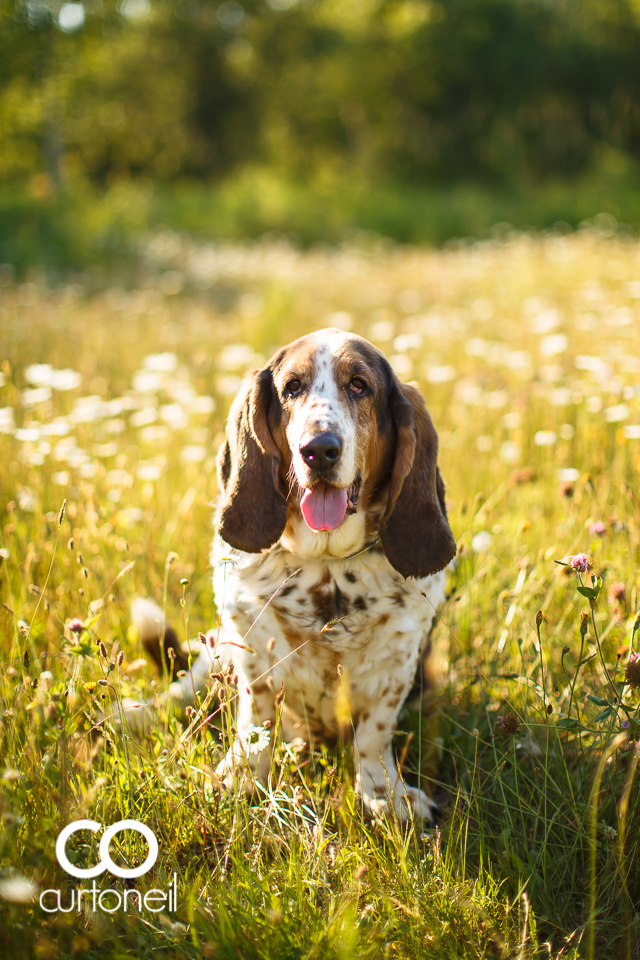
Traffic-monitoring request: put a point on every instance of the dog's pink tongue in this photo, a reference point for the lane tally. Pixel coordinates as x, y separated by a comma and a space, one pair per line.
324, 507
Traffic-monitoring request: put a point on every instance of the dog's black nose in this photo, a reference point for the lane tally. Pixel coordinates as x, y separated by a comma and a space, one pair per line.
323, 452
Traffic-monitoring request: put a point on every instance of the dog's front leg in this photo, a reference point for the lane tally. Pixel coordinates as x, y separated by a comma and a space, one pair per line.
249, 758
376, 771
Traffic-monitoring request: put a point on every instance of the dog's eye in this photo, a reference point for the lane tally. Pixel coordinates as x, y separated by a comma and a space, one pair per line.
357, 386
293, 388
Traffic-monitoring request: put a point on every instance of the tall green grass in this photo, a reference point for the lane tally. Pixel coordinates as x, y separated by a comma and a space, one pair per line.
526, 349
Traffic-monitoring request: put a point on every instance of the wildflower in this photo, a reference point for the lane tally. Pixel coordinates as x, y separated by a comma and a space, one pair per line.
256, 740
508, 725
120, 658
545, 438
632, 673
617, 592
18, 889
11, 776
568, 474
597, 529
566, 489
609, 833
580, 562
481, 542
102, 649
539, 618
76, 625
625, 724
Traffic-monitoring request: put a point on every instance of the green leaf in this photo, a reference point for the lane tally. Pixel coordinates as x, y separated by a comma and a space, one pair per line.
590, 592
82, 649
603, 716
599, 702
567, 723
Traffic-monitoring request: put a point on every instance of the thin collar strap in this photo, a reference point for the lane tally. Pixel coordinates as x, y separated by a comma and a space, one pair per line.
359, 552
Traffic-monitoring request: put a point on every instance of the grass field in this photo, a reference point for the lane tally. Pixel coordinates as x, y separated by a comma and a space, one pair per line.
528, 351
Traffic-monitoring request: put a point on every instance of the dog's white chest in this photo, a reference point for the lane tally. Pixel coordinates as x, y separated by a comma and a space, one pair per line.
354, 625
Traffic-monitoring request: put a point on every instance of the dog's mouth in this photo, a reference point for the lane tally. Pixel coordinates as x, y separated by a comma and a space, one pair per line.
325, 507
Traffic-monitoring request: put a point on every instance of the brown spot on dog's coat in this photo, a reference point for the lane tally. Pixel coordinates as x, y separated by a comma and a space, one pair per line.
329, 604
291, 635
350, 576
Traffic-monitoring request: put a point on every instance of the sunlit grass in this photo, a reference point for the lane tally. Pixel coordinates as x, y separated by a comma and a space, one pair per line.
527, 351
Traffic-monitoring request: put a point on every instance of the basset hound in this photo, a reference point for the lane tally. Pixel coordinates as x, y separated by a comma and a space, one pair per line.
329, 555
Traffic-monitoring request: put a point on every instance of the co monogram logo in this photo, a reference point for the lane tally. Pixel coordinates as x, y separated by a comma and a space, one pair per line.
106, 863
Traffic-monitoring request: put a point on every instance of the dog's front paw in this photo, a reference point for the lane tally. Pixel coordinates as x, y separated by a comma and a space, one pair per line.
408, 803
236, 774
238, 770
412, 803
134, 715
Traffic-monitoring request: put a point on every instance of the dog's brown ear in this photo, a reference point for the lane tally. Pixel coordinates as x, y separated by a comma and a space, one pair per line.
415, 532
252, 510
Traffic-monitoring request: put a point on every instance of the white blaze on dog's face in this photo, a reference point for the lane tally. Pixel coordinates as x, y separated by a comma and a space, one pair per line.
326, 450
328, 384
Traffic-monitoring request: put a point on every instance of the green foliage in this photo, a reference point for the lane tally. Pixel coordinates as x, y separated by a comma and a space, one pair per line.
87, 228
501, 92
413, 119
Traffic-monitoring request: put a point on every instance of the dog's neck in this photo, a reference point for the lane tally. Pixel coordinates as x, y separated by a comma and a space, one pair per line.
358, 530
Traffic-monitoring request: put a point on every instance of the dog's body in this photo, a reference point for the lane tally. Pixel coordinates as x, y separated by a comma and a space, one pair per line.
329, 557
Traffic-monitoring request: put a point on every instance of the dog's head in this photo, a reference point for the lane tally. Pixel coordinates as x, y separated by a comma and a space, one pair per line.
325, 445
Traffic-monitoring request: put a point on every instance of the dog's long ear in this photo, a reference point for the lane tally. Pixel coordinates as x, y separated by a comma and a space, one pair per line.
415, 533
252, 510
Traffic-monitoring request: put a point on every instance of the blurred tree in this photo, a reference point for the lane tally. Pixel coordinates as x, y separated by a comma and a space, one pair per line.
497, 91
